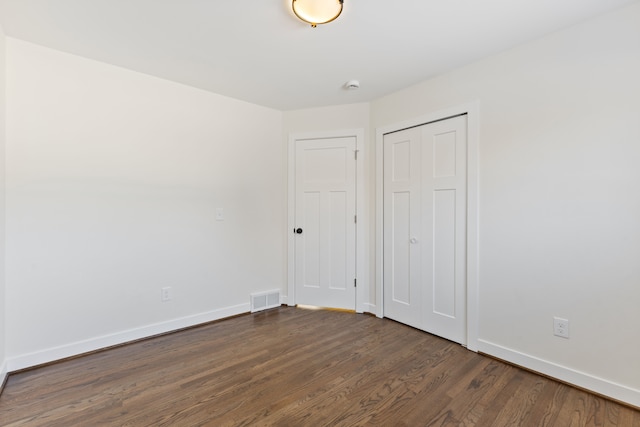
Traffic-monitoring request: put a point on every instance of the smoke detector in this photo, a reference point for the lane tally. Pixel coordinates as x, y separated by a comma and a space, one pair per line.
352, 85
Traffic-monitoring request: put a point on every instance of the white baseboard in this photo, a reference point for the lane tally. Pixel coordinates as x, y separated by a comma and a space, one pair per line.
284, 299
4, 371
369, 308
598, 385
74, 349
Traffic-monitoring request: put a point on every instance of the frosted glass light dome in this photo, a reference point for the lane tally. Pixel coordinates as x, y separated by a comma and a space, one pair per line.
317, 11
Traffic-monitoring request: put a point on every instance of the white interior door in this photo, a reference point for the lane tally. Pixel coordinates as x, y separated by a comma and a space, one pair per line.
325, 227
402, 286
425, 175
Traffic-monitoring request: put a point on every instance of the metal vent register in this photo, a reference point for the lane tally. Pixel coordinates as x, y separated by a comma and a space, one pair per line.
264, 300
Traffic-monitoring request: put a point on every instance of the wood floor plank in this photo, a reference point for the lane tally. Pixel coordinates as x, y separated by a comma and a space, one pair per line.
517, 408
585, 409
550, 400
297, 367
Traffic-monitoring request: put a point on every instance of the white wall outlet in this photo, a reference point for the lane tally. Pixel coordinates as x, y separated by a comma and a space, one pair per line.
219, 214
560, 327
166, 294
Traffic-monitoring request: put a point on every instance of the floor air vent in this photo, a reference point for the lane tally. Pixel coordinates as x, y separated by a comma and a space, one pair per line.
264, 300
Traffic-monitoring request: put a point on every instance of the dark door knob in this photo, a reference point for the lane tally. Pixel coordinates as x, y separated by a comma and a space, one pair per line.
298, 230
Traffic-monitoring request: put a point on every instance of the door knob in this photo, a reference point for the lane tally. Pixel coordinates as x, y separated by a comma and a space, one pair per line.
413, 240
298, 230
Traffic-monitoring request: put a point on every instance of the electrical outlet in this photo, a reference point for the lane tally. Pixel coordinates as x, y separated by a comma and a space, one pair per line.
219, 214
166, 294
560, 327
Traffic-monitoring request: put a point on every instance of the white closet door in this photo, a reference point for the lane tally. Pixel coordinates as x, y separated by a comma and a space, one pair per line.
402, 287
425, 227
444, 219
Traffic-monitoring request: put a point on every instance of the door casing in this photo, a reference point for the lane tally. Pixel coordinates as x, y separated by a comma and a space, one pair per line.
472, 110
361, 212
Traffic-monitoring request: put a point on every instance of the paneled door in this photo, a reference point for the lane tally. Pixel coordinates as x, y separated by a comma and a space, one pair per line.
325, 222
402, 211
425, 194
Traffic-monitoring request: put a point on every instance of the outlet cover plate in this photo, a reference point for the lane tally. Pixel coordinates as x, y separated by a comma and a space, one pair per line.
561, 327
166, 294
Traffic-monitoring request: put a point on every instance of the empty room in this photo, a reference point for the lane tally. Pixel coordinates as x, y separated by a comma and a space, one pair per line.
319, 212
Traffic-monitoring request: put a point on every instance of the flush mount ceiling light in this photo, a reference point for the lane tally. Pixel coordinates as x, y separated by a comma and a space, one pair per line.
317, 12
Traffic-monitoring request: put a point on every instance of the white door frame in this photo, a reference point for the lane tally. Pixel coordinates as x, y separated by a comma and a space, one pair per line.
361, 212
472, 110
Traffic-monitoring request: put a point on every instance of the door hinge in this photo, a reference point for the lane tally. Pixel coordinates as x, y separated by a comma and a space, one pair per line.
355, 152
355, 282
355, 219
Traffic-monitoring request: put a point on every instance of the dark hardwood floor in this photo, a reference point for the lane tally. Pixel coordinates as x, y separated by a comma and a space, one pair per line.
297, 367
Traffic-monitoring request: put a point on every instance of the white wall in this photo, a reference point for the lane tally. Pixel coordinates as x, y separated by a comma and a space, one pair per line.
113, 181
349, 116
559, 199
3, 367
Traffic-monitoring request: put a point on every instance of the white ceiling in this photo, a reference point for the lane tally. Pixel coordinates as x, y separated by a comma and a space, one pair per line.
256, 50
